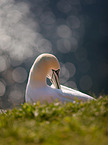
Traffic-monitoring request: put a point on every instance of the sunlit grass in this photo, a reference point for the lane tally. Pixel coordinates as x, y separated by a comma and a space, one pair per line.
56, 124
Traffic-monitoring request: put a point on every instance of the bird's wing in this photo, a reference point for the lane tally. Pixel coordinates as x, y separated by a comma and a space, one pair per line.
69, 94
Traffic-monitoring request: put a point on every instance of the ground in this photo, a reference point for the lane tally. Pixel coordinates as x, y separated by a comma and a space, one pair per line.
56, 124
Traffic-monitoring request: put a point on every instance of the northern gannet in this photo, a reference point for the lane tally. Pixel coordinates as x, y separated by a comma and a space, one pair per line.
47, 66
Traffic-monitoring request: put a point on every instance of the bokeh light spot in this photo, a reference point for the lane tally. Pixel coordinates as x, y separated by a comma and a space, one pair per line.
71, 84
2, 88
71, 68
19, 75
64, 45
15, 62
16, 97
3, 63
64, 74
64, 6
64, 31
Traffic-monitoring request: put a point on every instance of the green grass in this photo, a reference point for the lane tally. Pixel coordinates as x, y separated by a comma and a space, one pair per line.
56, 124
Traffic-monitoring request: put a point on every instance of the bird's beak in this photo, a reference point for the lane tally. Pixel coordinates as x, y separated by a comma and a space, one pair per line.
55, 78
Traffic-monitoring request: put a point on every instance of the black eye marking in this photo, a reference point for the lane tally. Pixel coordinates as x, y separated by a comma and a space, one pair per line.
55, 76
56, 71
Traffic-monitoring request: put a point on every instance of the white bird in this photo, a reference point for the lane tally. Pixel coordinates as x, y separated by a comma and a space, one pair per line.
47, 66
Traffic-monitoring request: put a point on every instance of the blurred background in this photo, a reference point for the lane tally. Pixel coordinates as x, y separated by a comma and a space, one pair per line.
73, 30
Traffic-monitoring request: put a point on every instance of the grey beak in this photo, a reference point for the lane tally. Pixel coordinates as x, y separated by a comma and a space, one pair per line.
55, 78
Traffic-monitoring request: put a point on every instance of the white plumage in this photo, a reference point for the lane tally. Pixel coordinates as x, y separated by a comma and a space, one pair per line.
47, 65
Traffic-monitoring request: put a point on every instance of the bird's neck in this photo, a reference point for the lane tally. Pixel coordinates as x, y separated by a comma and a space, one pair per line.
38, 78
